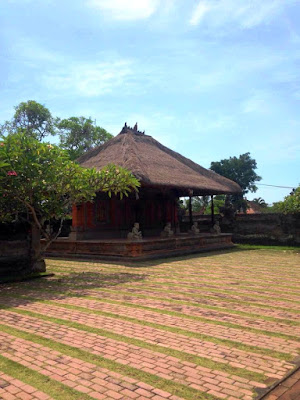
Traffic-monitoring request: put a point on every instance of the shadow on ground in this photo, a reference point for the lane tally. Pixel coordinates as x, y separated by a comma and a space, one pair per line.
145, 264
59, 286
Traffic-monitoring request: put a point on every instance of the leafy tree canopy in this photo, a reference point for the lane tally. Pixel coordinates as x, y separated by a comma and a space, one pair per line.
290, 204
39, 182
32, 118
242, 171
219, 202
78, 135
199, 203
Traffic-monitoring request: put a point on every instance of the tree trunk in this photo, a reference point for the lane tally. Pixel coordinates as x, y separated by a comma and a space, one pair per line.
37, 262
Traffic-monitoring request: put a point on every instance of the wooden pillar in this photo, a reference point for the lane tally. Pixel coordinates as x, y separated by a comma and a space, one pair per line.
78, 216
78, 222
90, 214
112, 202
212, 211
190, 211
84, 216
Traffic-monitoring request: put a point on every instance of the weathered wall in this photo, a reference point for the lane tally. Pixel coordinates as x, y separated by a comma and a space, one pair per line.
268, 229
14, 251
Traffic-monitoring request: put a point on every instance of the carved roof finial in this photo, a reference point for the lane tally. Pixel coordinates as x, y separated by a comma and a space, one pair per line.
128, 129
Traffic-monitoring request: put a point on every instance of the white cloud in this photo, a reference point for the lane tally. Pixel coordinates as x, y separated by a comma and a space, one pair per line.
199, 12
210, 123
160, 126
22, 2
107, 72
244, 14
126, 9
281, 148
237, 64
91, 80
258, 103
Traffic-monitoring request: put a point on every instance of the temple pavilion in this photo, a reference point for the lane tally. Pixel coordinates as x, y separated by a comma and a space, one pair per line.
102, 227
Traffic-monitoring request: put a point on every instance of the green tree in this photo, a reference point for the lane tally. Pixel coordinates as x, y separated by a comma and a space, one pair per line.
31, 118
80, 134
219, 202
290, 204
242, 171
38, 182
199, 203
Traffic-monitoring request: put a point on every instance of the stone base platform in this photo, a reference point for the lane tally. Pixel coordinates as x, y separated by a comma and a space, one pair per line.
144, 249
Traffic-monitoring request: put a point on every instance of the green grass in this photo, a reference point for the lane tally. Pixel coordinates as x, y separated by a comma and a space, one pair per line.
265, 247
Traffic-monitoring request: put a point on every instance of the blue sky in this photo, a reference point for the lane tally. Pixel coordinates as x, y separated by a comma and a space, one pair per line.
210, 79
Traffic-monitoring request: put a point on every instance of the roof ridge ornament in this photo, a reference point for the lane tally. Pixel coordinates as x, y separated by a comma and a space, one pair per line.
134, 130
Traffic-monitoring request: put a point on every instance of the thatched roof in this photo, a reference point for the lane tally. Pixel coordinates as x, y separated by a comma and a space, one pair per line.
156, 165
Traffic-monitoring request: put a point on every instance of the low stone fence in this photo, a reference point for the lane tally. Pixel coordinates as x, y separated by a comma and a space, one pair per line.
265, 229
268, 229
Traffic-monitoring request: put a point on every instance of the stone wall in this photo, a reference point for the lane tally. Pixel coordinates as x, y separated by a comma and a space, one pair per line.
265, 229
268, 229
14, 251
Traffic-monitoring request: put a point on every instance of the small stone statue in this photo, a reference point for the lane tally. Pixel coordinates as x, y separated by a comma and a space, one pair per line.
194, 229
216, 230
167, 232
135, 234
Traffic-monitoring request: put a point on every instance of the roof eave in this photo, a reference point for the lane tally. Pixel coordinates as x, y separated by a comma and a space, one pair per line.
196, 191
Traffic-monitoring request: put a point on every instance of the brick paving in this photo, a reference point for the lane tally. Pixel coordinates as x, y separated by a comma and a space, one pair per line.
210, 314
222, 332
242, 295
254, 361
249, 308
98, 383
13, 389
161, 365
232, 281
287, 390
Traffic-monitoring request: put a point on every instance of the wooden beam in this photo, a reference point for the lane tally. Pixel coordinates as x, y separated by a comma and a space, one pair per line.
212, 211
190, 211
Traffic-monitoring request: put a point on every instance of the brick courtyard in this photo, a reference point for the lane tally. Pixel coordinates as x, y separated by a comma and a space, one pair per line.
215, 326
